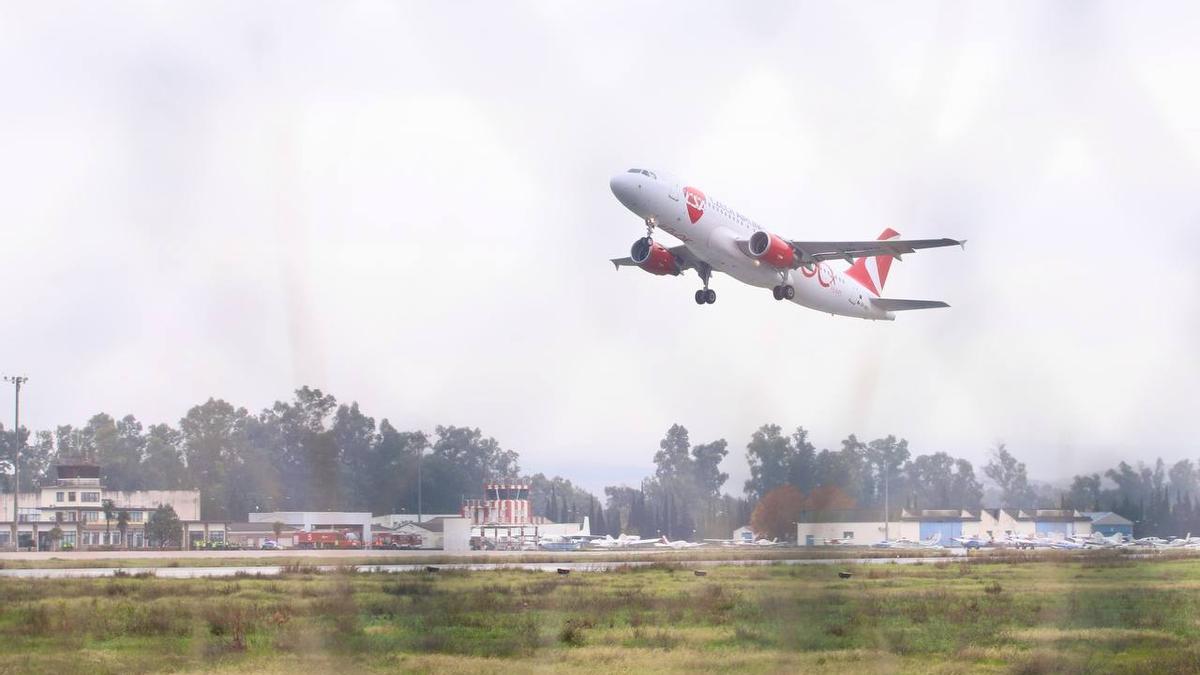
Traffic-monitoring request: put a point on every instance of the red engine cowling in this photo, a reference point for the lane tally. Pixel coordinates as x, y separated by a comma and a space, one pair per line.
772, 250
653, 257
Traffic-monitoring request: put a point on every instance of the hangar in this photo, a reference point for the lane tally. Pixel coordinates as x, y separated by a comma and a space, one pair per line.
868, 526
1108, 523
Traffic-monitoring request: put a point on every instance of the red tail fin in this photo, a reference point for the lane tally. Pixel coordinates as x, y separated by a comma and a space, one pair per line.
872, 272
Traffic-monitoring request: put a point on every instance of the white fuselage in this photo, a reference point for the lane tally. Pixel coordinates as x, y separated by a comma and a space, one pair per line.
711, 230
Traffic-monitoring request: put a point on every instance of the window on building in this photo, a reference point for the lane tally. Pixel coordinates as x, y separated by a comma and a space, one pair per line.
70, 496
91, 516
59, 496
847, 534
92, 497
135, 516
216, 536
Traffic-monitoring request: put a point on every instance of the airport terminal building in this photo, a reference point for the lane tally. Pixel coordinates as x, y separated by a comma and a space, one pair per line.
73, 503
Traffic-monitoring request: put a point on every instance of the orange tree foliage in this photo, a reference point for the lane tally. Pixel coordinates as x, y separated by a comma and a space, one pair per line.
776, 513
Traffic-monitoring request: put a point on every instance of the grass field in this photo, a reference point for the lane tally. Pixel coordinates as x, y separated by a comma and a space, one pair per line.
1106, 614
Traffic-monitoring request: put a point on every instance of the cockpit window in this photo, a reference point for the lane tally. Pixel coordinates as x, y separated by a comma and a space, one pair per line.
648, 174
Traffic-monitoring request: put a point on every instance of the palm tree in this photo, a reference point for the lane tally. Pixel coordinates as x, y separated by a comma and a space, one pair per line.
123, 527
110, 510
56, 535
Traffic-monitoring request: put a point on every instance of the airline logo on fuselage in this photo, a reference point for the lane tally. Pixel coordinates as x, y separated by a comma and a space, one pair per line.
695, 203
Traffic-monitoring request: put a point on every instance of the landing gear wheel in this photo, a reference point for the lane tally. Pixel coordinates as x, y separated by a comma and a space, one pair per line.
777, 292
789, 292
710, 296
701, 297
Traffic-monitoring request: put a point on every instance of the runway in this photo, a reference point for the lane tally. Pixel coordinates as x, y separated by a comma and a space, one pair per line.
575, 566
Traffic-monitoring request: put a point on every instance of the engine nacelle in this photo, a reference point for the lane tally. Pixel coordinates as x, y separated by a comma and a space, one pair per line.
653, 257
772, 250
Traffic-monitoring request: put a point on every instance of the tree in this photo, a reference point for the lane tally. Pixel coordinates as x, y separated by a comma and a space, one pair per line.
1085, 492
673, 458
277, 528
123, 527
1009, 475
777, 512
828, 498
56, 535
163, 527
110, 512
939, 481
770, 455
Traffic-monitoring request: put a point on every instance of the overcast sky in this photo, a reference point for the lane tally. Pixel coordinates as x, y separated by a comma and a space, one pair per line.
407, 205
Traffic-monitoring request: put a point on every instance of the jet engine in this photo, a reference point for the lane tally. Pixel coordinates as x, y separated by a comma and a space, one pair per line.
653, 257
772, 250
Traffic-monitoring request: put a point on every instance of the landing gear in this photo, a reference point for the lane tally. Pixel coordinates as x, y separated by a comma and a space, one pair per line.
650, 223
706, 295
784, 292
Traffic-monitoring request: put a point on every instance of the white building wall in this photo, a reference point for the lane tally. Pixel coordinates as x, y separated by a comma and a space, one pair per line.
185, 502
456, 534
865, 533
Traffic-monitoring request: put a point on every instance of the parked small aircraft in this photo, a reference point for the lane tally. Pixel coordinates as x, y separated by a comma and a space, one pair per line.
623, 541
667, 543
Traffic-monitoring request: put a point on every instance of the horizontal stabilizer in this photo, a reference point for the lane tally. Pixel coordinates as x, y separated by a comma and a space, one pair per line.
898, 305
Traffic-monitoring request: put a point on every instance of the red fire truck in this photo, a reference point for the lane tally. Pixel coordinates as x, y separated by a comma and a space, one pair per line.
328, 539
396, 540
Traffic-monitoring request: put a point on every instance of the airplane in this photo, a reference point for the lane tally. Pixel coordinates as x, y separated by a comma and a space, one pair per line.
934, 541
972, 541
746, 542
717, 238
623, 541
667, 543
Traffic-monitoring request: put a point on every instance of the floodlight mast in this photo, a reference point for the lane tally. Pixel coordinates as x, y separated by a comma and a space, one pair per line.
17, 381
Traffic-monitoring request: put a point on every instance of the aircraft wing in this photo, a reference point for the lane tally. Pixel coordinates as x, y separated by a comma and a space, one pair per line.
687, 259
808, 252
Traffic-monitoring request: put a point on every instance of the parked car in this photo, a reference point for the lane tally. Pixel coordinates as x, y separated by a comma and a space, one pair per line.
270, 545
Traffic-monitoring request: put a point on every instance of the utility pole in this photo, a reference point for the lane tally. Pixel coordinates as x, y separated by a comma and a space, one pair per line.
886, 537
420, 451
17, 381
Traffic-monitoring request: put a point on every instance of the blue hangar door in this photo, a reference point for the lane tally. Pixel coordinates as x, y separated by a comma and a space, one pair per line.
1065, 529
947, 530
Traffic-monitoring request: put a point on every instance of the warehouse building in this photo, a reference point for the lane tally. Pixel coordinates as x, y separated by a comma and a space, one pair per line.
869, 526
357, 523
254, 535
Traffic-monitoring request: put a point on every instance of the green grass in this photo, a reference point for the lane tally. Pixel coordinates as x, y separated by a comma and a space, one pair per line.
1104, 614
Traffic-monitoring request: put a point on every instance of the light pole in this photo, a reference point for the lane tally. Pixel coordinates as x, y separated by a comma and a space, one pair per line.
420, 451
17, 381
885, 501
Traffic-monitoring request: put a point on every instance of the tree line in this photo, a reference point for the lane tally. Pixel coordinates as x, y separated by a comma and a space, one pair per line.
314, 453
310, 453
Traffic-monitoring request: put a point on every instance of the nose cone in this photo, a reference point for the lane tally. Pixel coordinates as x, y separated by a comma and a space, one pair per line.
624, 187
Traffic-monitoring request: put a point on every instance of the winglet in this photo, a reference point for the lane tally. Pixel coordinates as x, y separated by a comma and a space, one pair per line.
963, 244
616, 265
